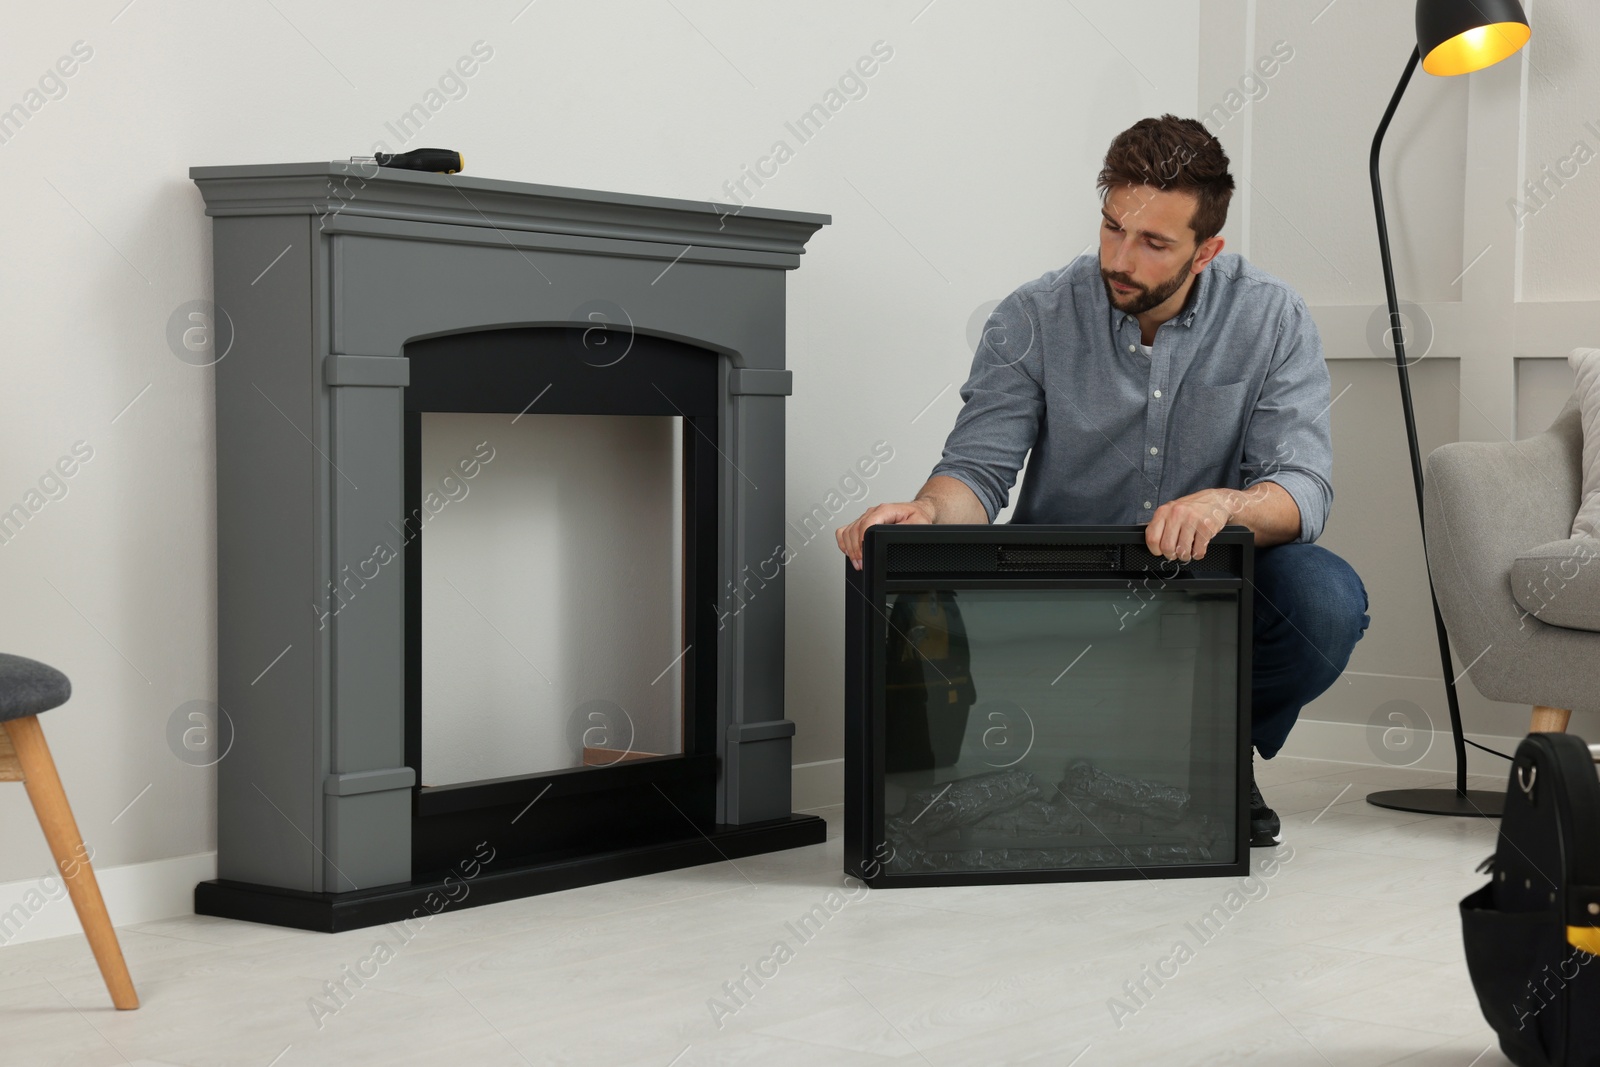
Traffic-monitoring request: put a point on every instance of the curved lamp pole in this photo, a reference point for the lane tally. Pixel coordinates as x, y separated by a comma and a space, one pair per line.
1453, 37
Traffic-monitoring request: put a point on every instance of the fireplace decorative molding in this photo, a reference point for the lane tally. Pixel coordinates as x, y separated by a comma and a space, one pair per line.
329, 273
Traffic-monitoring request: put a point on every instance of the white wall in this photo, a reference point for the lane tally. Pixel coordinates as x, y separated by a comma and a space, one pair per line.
551, 592
1502, 301
967, 168
1562, 104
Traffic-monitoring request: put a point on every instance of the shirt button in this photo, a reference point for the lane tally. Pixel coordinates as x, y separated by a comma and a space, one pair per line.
1156, 394
1154, 450
1147, 505
1131, 348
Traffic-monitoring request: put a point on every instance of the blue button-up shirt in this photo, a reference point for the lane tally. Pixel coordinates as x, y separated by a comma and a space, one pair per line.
1234, 392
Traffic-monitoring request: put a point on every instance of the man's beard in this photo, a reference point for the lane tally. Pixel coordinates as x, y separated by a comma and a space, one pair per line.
1144, 299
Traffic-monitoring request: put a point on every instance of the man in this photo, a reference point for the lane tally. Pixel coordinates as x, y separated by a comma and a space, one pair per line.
1170, 385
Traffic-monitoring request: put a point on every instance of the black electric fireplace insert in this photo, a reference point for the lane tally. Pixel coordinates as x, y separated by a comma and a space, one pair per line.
1045, 703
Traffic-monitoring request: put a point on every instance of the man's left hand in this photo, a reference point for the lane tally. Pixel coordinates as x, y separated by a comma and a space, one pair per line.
1181, 529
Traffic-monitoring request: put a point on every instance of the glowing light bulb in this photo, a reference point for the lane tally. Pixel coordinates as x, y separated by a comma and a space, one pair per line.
1474, 49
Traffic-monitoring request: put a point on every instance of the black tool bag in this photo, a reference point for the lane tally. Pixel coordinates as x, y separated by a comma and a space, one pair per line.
1539, 989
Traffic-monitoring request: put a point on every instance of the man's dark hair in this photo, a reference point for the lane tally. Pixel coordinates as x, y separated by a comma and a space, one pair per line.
1174, 153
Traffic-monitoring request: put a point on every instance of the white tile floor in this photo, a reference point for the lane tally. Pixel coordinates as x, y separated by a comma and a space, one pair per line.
1348, 954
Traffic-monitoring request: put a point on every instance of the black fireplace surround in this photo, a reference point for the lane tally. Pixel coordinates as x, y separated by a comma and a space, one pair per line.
574, 372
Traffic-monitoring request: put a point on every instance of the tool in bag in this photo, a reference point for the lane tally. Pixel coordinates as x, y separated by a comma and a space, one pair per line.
1533, 933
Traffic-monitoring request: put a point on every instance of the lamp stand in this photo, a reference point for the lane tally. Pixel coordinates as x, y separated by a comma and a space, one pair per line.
1479, 803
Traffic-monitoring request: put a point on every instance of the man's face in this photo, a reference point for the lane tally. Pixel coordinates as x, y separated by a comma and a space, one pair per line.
1147, 250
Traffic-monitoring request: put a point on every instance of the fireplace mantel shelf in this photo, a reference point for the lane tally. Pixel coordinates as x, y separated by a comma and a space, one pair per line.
344, 193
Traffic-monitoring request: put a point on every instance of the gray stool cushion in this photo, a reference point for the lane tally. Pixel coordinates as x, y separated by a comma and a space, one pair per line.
1559, 583
28, 687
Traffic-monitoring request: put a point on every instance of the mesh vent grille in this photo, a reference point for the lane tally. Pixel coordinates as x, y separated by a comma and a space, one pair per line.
940, 558
1219, 558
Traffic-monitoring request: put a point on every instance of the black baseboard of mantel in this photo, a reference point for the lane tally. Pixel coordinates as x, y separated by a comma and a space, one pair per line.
336, 912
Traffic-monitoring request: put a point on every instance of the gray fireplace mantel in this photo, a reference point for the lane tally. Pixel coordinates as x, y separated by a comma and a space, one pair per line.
326, 272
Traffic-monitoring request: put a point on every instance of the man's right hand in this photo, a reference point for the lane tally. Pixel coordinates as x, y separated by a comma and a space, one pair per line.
849, 537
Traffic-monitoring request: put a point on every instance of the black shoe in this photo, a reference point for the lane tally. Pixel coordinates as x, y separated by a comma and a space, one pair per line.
1264, 824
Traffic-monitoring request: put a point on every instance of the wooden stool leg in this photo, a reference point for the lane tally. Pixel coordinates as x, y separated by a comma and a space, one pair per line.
1549, 720
66, 845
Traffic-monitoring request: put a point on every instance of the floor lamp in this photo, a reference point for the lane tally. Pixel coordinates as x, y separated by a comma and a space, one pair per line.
1453, 37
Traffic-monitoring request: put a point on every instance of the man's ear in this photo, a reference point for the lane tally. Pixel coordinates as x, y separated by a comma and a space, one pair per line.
1208, 250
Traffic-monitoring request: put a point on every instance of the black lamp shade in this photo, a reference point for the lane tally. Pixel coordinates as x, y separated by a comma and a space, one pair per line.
1461, 36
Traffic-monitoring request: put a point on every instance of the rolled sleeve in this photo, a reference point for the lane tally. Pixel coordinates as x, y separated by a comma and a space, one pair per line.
1288, 440
1002, 403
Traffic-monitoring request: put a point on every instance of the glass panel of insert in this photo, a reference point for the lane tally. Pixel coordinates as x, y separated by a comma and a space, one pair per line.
1041, 729
552, 592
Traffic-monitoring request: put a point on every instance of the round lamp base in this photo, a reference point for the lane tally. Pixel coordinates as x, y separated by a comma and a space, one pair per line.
1476, 803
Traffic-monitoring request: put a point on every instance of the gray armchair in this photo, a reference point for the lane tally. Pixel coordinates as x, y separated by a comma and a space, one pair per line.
1512, 582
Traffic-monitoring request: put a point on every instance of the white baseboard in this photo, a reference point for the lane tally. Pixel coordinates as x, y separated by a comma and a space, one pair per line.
1349, 742
39, 908
816, 785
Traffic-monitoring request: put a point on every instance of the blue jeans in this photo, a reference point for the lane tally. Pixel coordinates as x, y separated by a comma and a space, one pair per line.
1310, 610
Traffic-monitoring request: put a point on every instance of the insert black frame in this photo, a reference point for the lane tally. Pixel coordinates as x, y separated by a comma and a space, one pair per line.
526, 372
1005, 557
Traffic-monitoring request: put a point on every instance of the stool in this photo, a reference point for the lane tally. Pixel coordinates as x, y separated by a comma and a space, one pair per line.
28, 687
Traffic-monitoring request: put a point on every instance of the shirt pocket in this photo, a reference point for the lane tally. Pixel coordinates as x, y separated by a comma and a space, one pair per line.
1211, 420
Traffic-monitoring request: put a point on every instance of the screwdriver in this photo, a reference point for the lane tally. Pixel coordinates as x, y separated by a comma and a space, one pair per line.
434, 160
